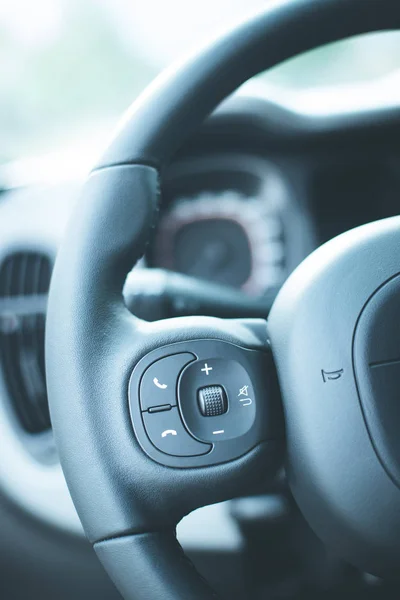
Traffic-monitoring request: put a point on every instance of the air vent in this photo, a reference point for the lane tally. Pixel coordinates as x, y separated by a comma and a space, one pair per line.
25, 274
24, 284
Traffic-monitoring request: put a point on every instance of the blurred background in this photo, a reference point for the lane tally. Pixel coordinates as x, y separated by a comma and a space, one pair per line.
70, 67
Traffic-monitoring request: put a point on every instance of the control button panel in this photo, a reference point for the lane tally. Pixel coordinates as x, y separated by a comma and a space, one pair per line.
204, 402
229, 381
166, 431
158, 386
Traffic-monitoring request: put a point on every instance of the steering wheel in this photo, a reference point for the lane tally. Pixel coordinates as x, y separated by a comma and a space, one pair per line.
153, 420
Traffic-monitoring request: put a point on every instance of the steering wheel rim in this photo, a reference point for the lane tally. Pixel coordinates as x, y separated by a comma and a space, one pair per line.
93, 342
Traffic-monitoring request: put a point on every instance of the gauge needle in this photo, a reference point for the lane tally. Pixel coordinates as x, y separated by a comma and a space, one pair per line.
212, 259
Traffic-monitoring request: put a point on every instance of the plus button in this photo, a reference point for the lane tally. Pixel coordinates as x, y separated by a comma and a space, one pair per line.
206, 368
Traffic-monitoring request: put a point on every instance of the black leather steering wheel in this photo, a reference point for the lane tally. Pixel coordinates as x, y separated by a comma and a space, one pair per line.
153, 420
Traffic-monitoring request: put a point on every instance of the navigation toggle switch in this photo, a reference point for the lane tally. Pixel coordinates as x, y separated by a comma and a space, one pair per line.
229, 398
212, 401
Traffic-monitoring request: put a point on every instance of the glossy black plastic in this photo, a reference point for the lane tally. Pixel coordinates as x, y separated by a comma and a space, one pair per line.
245, 425
158, 385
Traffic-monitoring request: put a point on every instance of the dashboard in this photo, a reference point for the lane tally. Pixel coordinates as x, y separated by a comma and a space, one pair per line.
252, 193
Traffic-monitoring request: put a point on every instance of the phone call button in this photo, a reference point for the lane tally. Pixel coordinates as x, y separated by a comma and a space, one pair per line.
167, 433
159, 382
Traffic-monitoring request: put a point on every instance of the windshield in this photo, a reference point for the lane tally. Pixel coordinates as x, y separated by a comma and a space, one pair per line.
71, 67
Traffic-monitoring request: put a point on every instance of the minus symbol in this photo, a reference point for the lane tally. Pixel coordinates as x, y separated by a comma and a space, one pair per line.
219, 431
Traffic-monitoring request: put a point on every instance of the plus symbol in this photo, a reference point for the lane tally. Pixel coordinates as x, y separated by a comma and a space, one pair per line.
206, 368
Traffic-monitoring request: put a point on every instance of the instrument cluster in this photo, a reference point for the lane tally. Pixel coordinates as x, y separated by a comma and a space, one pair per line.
226, 220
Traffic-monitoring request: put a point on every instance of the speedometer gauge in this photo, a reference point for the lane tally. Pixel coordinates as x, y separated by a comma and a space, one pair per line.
223, 237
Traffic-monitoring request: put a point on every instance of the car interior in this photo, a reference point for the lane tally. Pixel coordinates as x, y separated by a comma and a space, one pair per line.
199, 314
